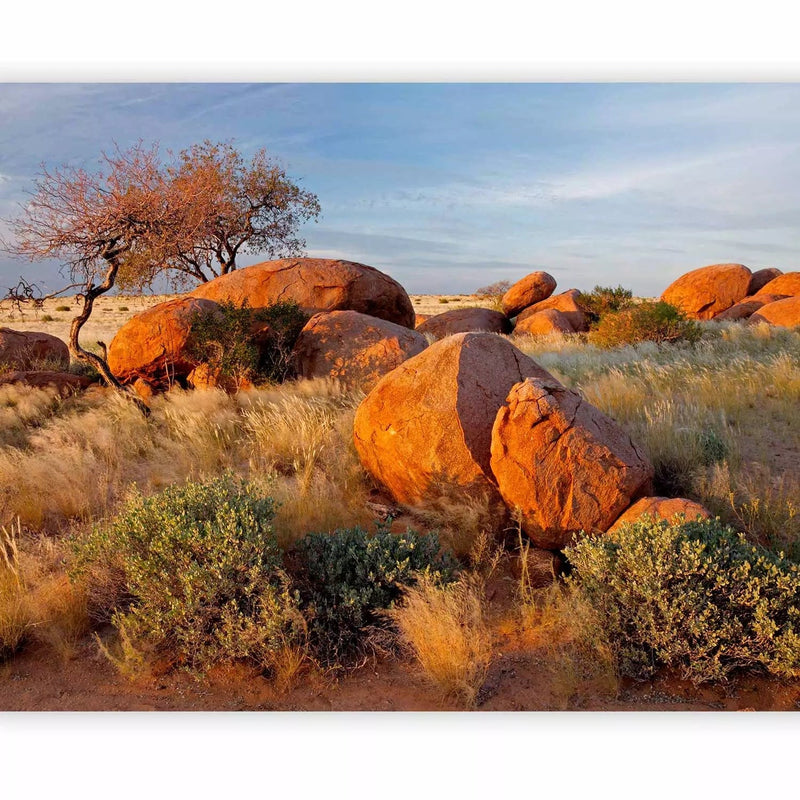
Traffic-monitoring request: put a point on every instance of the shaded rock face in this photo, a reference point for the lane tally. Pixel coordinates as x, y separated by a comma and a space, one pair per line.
531, 289
562, 464
787, 284
745, 308
668, 508
785, 313
154, 346
465, 320
425, 430
566, 303
420, 318
24, 350
315, 284
760, 278
354, 348
542, 323
703, 293
64, 382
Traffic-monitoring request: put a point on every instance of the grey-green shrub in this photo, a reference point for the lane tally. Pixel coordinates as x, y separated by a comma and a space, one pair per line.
695, 596
194, 573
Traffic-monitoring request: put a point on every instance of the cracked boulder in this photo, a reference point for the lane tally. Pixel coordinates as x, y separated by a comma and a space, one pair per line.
315, 284
424, 432
562, 464
703, 293
465, 320
354, 348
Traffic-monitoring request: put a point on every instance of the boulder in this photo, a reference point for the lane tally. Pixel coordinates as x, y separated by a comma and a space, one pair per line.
703, 293
315, 284
354, 348
542, 323
65, 383
154, 345
566, 303
668, 508
531, 289
25, 350
425, 430
787, 284
420, 318
745, 308
785, 313
465, 320
562, 464
760, 278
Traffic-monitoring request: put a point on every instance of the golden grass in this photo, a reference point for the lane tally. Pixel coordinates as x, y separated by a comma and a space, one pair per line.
445, 628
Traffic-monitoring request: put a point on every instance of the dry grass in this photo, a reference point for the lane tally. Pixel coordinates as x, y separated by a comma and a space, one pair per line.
445, 628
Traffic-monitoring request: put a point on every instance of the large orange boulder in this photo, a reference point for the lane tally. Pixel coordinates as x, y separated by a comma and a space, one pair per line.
747, 307
786, 284
562, 464
703, 293
315, 284
27, 350
425, 430
785, 313
760, 278
543, 323
566, 303
65, 383
465, 320
155, 345
531, 289
354, 348
658, 508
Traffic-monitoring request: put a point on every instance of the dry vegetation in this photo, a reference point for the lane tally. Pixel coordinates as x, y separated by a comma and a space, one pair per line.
719, 420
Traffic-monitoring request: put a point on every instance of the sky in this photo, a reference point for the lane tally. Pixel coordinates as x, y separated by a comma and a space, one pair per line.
449, 187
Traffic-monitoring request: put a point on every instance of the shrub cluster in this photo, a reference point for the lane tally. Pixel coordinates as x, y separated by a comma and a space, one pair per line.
239, 342
193, 573
604, 300
647, 321
694, 596
350, 575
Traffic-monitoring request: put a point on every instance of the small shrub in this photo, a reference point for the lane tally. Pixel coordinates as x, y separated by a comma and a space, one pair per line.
492, 295
65, 308
443, 300
348, 576
694, 596
123, 308
242, 343
656, 322
47, 318
604, 300
193, 573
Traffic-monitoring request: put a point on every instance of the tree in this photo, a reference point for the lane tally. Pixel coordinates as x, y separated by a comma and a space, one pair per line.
135, 219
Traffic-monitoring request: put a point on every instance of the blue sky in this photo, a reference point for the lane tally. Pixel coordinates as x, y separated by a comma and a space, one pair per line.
448, 187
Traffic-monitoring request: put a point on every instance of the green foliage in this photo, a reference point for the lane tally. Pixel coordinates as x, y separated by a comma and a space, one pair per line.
605, 300
648, 321
66, 308
239, 342
194, 573
694, 596
348, 576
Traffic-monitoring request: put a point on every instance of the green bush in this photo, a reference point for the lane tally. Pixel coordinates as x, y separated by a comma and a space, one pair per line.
239, 342
62, 308
349, 575
648, 321
444, 300
604, 300
193, 573
694, 596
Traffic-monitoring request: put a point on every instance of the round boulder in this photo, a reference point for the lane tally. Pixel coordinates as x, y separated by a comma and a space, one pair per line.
787, 284
315, 284
566, 303
465, 320
562, 464
747, 307
543, 323
760, 278
65, 383
658, 508
154, 346
425, 430
531, 289
785, 313
27, 350
354, 348
703, 293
